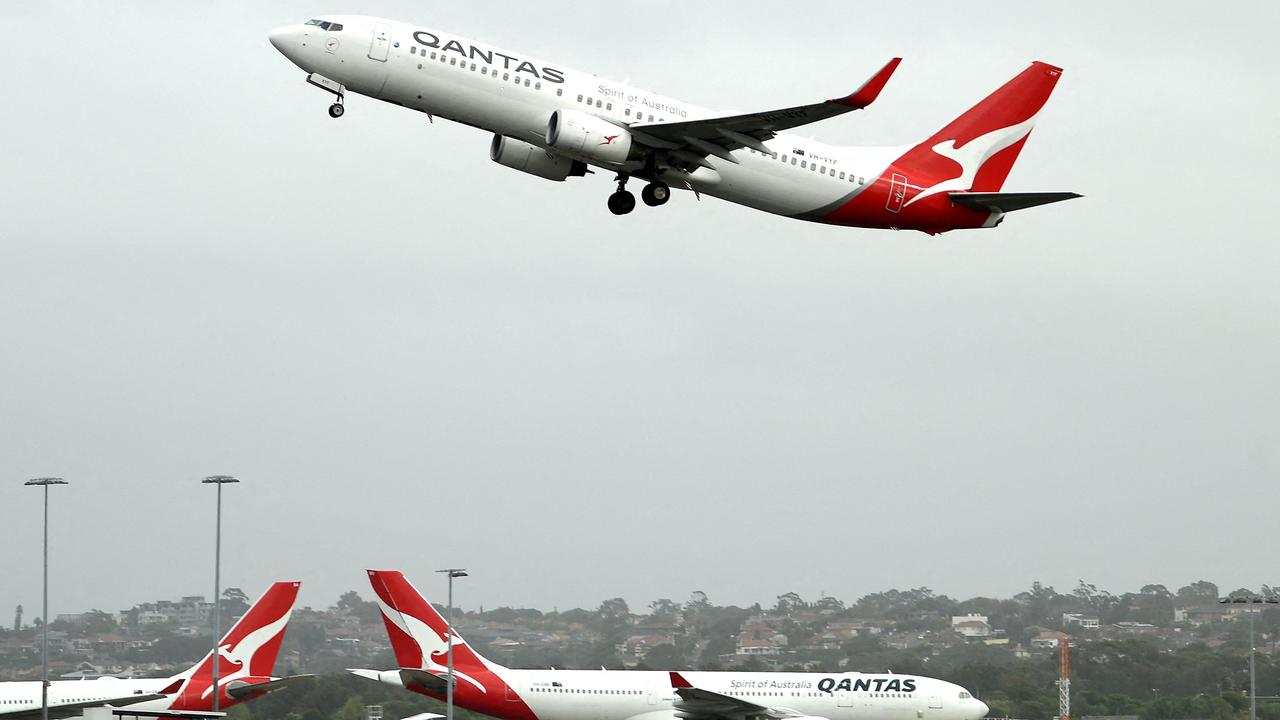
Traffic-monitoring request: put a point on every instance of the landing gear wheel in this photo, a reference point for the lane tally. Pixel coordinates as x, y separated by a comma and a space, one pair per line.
622, 202
655, 194
336, 110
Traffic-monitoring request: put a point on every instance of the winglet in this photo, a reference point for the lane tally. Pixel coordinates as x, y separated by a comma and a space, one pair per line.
678, 681
870, 90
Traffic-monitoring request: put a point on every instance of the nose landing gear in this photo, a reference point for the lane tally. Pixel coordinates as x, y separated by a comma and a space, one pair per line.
336, 110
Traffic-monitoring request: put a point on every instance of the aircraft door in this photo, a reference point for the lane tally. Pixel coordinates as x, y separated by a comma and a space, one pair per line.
844, 699
935, 702
653, 698
381, 44
897, 193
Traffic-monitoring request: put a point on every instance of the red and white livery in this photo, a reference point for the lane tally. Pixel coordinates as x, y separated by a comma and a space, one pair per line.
557, 123
248, 656
419, 637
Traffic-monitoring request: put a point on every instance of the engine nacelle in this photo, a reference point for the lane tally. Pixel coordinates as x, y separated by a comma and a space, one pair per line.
520, 155
588, 137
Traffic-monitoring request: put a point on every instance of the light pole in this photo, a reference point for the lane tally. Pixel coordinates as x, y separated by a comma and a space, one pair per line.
218, 480
44, 613
1253, 677
448, 622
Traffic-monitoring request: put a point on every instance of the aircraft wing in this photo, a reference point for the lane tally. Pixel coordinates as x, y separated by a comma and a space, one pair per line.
717, 136
125, 713
74, 709
698, 704
238, 690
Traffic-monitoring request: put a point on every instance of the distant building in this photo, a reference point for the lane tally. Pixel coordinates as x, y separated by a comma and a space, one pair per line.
1049, 640
1088, 623
758, 638
971, 626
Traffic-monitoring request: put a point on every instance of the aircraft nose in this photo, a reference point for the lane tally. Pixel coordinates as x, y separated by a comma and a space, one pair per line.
983, 709
280, 38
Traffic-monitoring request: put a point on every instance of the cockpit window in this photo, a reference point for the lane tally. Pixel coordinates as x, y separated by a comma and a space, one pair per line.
325, 25
964, 695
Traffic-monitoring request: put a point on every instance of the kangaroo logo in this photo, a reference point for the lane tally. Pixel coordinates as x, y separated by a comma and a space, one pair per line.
973, 155
239, 655
429, 642
608, 139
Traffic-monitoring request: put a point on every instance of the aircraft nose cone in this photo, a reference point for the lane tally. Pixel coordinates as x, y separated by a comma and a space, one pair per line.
983, 709
280, 38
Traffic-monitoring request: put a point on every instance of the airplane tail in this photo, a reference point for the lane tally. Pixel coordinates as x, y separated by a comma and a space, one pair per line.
419, 635
976, 151
247, 653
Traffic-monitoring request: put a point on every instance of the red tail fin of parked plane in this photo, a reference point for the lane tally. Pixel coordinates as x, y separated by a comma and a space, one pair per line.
247, 653
419, 635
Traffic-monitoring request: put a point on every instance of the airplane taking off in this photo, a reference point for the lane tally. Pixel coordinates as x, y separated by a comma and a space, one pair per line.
248, 655
419, 637
555, 123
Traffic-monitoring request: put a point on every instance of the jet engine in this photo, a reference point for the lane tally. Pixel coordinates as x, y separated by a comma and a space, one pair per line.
532, 159
588, 137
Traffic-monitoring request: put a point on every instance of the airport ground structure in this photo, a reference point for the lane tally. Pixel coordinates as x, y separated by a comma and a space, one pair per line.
1151, 654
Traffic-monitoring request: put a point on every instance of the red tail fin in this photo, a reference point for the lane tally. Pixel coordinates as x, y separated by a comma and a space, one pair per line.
977, 150
248, 649
419, 635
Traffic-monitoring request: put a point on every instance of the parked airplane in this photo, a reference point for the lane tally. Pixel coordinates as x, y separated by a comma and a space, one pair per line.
248, 654
419, 637
554, 122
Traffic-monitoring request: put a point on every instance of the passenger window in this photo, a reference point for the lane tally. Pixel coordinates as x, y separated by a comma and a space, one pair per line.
651, 117
627, 112
413, 49
473, 67
433, 54
609, 107
526, 82
419, 66
823, 170
537, 86
559, 92
841, 174
484, 71
793, 161
506, 76
579, 98
804, 163
453, 61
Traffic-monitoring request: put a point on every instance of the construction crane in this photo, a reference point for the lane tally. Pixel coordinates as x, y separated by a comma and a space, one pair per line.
1064, 678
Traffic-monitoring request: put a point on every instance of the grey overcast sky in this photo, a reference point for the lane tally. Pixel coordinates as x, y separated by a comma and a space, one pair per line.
414, 358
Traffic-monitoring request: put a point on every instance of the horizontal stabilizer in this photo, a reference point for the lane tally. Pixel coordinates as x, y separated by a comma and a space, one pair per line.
1008, 202
240, 690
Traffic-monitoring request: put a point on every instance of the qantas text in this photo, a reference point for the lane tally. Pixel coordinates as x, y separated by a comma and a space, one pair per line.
474, 53
879, 684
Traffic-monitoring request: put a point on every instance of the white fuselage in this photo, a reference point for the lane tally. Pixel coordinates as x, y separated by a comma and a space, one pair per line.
513, 95
596, 695
17, 696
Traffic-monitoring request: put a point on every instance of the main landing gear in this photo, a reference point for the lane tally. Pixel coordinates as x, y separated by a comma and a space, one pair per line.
622, 202
336, 110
